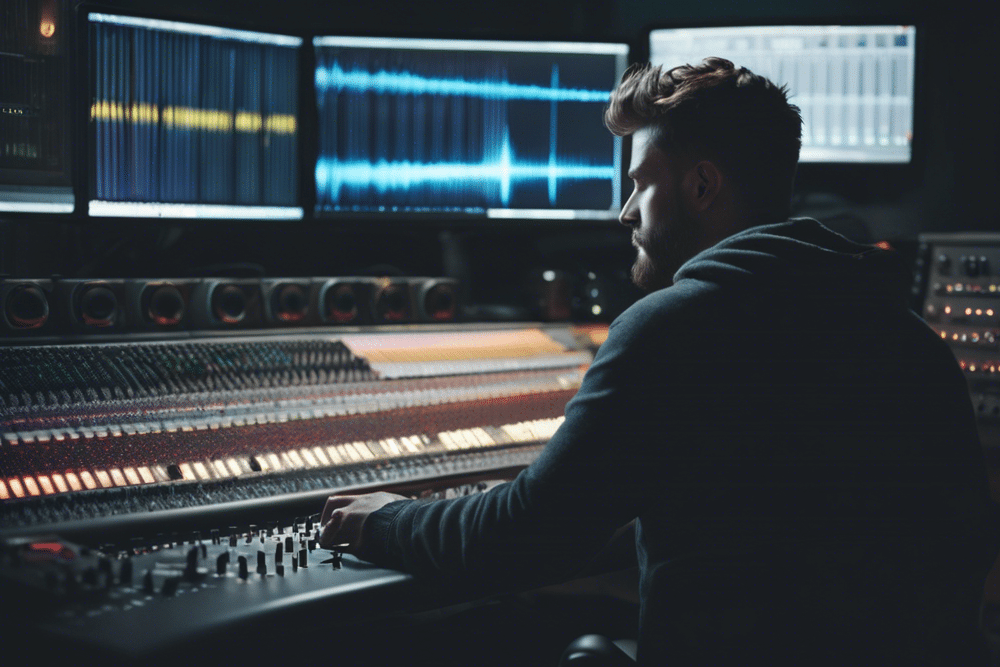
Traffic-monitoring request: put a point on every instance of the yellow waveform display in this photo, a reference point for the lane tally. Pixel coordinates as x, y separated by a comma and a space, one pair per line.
187, 118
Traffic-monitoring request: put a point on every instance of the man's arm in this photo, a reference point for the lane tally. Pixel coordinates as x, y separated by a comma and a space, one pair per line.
591, 478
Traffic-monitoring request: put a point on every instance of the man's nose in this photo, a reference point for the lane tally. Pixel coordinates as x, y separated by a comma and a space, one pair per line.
629, 215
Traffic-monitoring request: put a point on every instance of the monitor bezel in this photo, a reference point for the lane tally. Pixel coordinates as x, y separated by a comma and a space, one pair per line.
859, 180
503, 217
83, 136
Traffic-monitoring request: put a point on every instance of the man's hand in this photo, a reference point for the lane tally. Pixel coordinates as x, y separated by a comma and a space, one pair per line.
344, 517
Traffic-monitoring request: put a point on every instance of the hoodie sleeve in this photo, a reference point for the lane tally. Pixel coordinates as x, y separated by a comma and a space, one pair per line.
546, 524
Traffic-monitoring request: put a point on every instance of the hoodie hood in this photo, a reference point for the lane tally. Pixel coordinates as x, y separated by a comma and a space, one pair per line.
799, 255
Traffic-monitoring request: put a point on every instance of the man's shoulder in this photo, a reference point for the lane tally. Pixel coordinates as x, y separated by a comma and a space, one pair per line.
685, 307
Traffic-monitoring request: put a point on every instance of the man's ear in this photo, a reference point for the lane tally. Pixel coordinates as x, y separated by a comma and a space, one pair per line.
702, 185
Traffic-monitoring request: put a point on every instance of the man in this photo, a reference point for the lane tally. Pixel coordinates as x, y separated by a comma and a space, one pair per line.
797, 447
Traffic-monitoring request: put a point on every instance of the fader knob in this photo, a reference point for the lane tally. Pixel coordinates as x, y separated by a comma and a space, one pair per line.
125, 573
147, 582
244, 571
289, 544
303, 558
261, 563
27, 307
170, 585
278, 554
221, 563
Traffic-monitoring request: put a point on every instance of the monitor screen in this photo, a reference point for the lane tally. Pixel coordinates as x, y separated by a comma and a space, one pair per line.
35, 175
854, 84
505, 129
191, 121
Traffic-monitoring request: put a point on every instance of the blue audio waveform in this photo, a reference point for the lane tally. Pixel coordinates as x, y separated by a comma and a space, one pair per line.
384, 176
383, 82
450, 131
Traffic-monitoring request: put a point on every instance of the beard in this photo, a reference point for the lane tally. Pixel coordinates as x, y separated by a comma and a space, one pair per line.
662, 252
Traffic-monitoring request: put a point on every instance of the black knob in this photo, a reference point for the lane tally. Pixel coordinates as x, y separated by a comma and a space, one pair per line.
27, 307
295, 563
303, 558
279, 570
261, 563
125, 573
278, 554
104, 565
232, 536
166, 306
971, 265
244, 571
289, 544
291, 302
221, 563
214, 535
191, 567
229, 304
170, 585
98, 306
147, 582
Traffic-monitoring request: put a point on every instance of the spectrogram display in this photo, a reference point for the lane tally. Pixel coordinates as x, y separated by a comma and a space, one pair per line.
854, 84
512, 129
191, 120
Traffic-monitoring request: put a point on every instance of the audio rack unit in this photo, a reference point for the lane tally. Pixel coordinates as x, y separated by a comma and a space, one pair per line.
37, 309
959, 276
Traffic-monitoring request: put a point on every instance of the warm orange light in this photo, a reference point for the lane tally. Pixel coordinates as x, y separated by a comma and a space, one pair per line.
947, 310
884, 245
47, 28
989, 312
968, 311
979, 311
972, 368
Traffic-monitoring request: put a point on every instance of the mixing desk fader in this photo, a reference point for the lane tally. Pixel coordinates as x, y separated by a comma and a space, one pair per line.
158, 497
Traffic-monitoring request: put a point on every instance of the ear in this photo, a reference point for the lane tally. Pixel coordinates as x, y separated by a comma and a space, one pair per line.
702, 185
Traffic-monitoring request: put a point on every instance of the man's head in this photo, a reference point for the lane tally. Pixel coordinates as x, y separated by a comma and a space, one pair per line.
714, 151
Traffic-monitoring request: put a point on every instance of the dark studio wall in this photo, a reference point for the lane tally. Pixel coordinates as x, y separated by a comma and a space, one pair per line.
949, 187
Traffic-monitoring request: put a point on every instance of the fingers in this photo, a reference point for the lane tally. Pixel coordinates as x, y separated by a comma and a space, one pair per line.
333, 503
330, 530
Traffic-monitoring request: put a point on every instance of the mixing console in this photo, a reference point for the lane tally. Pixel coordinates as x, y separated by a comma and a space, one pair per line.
149, 489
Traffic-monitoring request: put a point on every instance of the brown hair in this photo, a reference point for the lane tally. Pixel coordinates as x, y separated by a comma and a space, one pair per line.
729, 115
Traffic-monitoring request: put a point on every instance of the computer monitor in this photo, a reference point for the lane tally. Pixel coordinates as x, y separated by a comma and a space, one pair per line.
853, 83
35, 174
191, 121
433, 126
